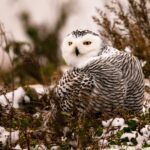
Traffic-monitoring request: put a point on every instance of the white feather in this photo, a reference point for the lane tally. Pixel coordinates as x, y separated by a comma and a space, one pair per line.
87, 52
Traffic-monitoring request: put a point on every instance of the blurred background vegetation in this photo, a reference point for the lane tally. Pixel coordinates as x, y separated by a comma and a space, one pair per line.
38, 62
34, 62
130, 28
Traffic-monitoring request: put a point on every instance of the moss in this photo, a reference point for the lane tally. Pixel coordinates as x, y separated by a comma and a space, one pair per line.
132, 124
65, 146
120, 133
99, 131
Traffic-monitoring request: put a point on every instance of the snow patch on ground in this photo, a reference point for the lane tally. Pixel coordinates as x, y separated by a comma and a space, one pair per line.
12, 98
5, 136
15, 97
112, 126
40, 89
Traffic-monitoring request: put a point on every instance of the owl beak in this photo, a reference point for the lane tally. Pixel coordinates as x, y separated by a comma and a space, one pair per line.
77, 51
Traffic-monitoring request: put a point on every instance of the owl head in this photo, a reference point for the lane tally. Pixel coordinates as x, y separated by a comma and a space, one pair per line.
80, 46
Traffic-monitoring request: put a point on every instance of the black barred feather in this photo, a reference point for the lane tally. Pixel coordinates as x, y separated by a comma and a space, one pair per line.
109, 83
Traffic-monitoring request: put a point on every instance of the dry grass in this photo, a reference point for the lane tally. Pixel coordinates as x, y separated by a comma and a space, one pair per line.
131, 29
39, 123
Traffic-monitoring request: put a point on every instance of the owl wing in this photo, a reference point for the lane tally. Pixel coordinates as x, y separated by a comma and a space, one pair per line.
95, 88
74, 90
133, 75
110, 88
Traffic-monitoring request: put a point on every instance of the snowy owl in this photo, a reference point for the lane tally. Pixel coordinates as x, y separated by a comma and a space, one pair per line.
102, 78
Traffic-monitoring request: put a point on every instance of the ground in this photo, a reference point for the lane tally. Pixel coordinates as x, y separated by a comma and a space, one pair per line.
29, 123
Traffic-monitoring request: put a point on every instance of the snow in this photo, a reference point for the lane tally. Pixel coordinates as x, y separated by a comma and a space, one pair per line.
40, 147
140, 139
123, 126
27, 98
102, 142
148, 142
13, 98
17, 147
113, 125
4, 135
118, 122
135, 135
55, 148
128, 50
40, 89
107, 123
116, 147
37, 147
129, 135
146, 131
14, 136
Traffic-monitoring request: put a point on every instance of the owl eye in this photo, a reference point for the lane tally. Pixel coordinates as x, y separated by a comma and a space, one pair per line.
69, 43
87, 43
